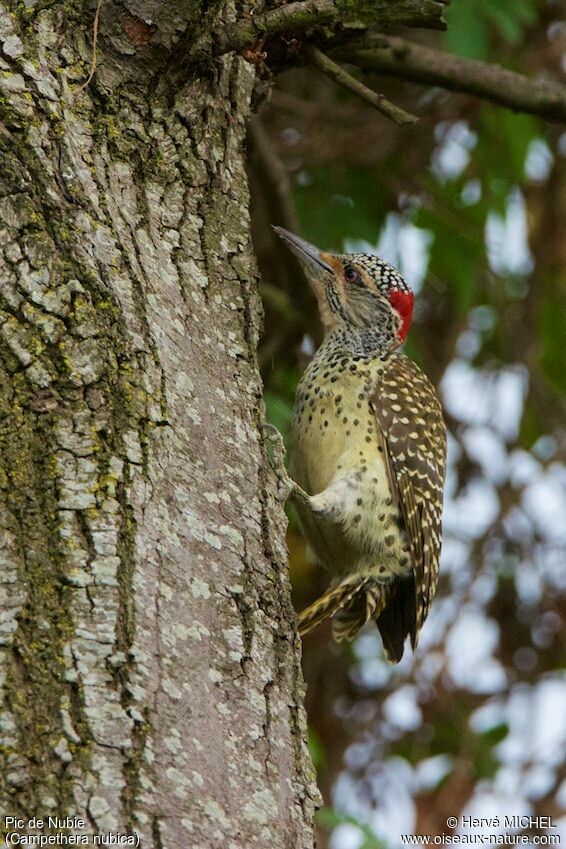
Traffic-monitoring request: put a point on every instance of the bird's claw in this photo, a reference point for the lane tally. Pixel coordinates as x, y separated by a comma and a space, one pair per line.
285, 484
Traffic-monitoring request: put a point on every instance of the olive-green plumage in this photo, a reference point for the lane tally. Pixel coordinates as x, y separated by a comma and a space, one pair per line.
369, 445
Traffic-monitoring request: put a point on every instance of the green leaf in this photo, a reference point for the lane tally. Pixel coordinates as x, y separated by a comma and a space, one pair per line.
470, 21
507, 23
456, 261
284, 381
533, 426
551, 323
496, 734
510, 16
338, 204
525, 10
486, 762
316, 749
331, 818
279, 413
503, 144
467, 33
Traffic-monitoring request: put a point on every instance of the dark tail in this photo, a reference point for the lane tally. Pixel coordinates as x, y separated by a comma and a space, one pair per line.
398, 619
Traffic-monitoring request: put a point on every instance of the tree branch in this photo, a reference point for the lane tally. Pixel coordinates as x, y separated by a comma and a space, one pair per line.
346, 80
297, 17
409, 61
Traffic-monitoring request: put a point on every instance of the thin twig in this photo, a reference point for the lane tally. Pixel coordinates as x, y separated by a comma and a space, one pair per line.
407, 60
346, 80
94, 44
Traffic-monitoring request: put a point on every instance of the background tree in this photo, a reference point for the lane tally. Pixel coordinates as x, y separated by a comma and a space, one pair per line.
150, 667
470, 203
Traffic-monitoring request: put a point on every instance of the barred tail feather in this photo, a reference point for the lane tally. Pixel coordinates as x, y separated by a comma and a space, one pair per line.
330, 603
359, 610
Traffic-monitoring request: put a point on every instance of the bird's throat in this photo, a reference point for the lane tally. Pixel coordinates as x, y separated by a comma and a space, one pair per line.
368, 343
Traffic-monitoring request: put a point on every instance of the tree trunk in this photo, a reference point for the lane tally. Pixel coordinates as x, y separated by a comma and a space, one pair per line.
151, 671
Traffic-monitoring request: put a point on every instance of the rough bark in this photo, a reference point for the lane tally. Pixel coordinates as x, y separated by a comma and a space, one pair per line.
151, 672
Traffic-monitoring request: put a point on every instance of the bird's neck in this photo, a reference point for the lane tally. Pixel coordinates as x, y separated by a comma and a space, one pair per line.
368, 343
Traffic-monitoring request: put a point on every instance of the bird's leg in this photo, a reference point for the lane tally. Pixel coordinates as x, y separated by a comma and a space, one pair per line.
328, 503
286, 486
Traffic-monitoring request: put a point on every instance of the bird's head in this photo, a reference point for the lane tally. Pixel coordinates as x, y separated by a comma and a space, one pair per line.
356, 290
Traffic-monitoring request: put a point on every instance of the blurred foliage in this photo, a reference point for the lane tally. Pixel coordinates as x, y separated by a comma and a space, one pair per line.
474, 24
330, 818
487, 188
335, 204
552, 326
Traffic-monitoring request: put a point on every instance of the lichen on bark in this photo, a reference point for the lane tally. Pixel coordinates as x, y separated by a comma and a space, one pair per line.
151, 675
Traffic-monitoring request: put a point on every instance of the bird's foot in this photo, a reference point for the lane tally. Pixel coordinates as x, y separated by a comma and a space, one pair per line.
285, 484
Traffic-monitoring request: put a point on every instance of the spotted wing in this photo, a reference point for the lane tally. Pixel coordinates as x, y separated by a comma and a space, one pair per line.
413, 439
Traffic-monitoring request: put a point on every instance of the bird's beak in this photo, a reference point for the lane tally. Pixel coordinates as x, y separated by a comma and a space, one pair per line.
307, 253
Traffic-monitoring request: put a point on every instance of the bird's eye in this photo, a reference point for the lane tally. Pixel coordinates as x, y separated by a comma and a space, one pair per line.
350, 274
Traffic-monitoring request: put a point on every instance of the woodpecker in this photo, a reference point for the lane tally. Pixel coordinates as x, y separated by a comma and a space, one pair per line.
368, 453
